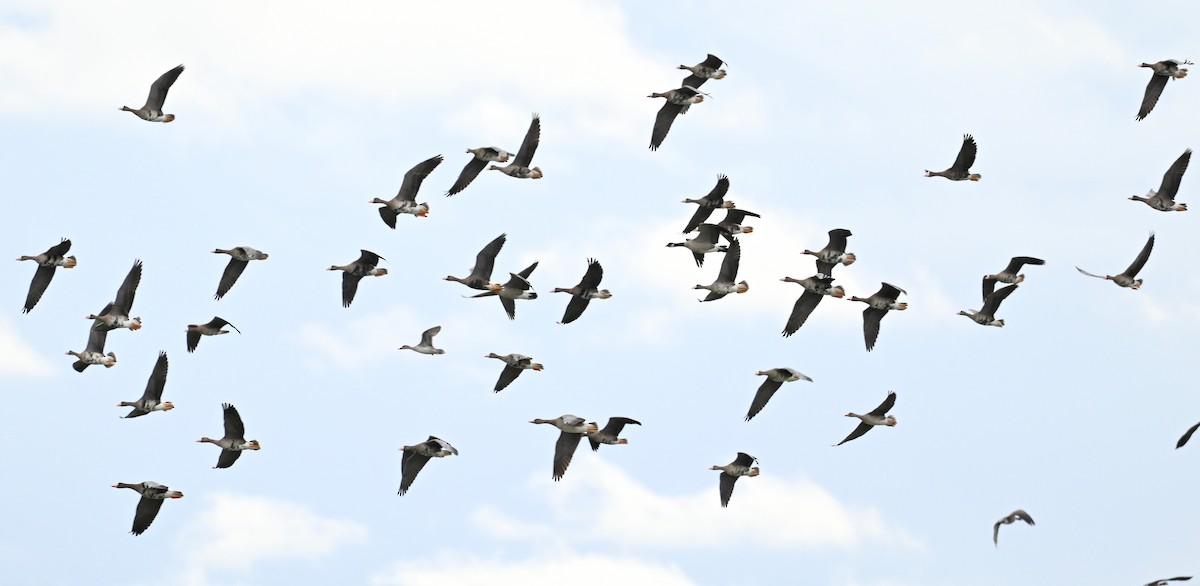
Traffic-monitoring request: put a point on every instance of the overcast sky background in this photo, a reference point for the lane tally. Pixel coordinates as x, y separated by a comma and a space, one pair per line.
292, 115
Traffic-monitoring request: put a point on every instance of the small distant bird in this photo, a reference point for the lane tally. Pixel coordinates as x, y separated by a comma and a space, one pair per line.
1163, 200
704, 243
519, 167
513, 365
426, 345
583, 293
878, 416
678, 102
116, 314
234, 442
986, 316
212, 328
415, 458
238, 259
1187, 436
816, 288
715, 199
877, 306
153, 495
608, 435
572, 429
1164, 582
1010, 274
483, 156
961, 169
1163, 71
834, 253
94, 352
47, 262
151, 400
704, 71
153, 110
517, 287
354, 272
775, 379
481, 274
1013, 517
405, 201
742, 465
1126, 279
724, 285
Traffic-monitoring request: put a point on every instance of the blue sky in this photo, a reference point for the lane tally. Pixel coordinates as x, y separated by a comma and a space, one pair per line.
292, 116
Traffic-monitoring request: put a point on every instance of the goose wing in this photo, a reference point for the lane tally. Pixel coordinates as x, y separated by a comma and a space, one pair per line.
388, 215
1141, 259
470, 171
966, 155
158, 92
804, 307
1187, 436
1014, 265
886, 405
564, 450
992, 303
158, 380
530, 144
727, 482
729, 265
427, 335
575, 309
1171, 179
41, 280
147, 510
485, 261
507, 376
233, 423
410, 465
871, 319
128, 289
662, 125
233, 270
349, 287
227, 458
1154, 89
414, 177
764, 394
857, 433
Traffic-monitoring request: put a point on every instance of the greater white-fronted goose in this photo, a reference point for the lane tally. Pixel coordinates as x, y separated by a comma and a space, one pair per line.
1010, 274
151, 400
519, 167
961, 169
704, 243
1163, 200
1164, 581
678, 102
742, 465
366, 265
405, 201
234, 442
117, 313
212, 328
1126, 279
153, 110
517, 287
238, 259
775, 379
608, 435
153, 495
733, 221
1163, 71
986, 316
415, 458
715, 199
513, 365
94, 352
1186, 436
878, 416
482, 156
724, 285
426, 344
571, 430
1013, 517
584, 292
834, 253
703, 71
481, 274
877, 306
47, 262
816, 288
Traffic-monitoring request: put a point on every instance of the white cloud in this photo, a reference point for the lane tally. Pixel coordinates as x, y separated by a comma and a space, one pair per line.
18, 359
548, 569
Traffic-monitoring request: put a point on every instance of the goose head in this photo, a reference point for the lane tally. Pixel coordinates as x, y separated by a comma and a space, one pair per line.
970, 314
495, 168
658, 95
206, 440
493, 355
377, 200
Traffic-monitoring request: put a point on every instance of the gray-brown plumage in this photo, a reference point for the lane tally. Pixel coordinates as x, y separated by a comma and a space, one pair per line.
703, 71
212, 328
571, 430
355, 271
715, 199
405, 201
608, 434
1010, 274
877, 306
415, 458
234, 442
733, 221
476, 165
877, 416
1164, 581
724, 285
513, 365
1017, 515
834, 252
584, 292
704, 242
961, 169
94, 352
117, 314
151, 400
678, 102
519, 167
481, 274
1163, 71
47, 262
1186, 436
1126, 279
986, 316
153, 110
153, 495
816, 288
1163, 200
775, 379
742, 465
239, 257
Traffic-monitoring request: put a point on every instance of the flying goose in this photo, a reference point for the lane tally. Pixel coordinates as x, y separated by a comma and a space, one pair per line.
234, 442
519, 167
239, 257
1126, 279
678, 102
878, 416
482, 156
355, 271
1187, 436
1013, 517
481, 273
513, 365
572, 429
152, 397
116, 313
986, 316
1163, 200
704, 243
816, 288
724, 285
94, 352
405, 201
877, 306
1010, 274
775, 379
1164, 581
426, 344
212, 328
47, 262
715, 199
704, 71
415, 458
517, 287
961, 169
742, 465
153, 110
733, 221
834, 252
584, 292
153, 495
608, 435
1163, 71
